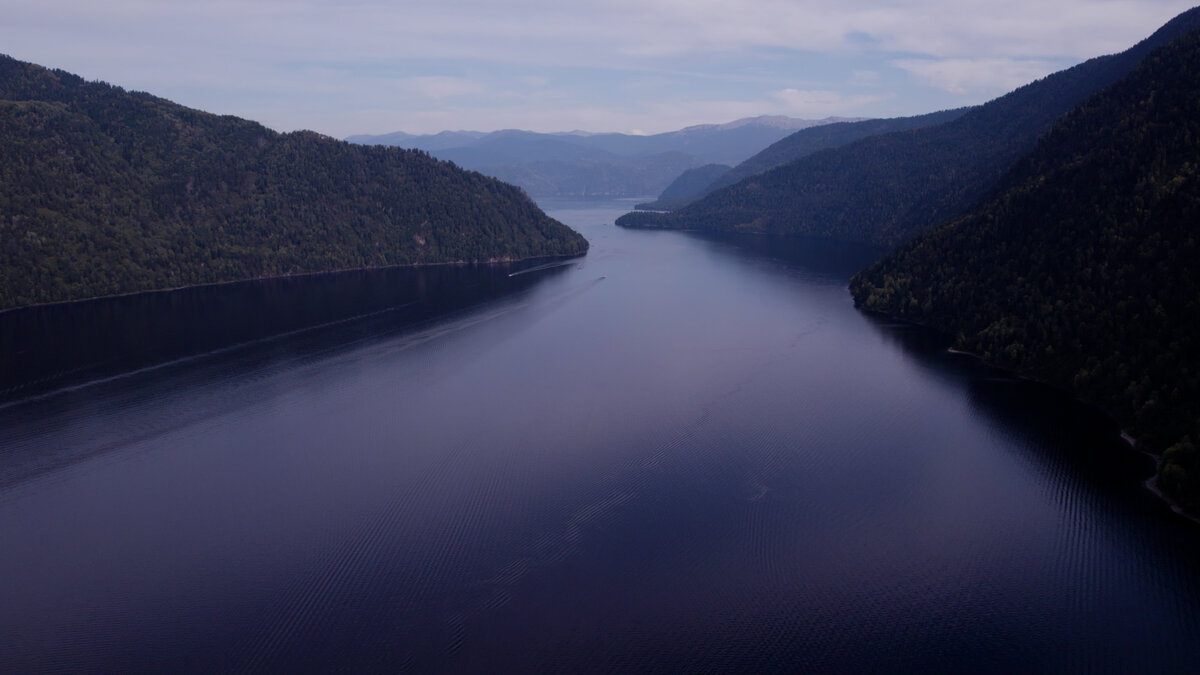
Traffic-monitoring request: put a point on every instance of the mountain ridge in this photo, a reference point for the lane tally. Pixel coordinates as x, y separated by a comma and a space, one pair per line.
589, 164
801, 144
464, 135
884, 189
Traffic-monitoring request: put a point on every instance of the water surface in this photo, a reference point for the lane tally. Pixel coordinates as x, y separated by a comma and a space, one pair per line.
680, 453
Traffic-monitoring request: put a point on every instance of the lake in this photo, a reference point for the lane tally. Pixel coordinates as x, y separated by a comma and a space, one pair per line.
680, 453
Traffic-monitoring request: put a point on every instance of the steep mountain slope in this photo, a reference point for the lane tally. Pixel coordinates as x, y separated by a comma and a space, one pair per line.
1082, 269
689, 186
104, 191
885, 189
807, 141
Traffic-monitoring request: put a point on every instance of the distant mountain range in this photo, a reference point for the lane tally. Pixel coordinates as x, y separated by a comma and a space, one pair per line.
886, 188
790, 148
1083, 268
599, 164
106, 191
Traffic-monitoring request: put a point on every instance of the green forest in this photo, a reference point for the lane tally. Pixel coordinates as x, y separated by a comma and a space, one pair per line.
105, 191
1083, 268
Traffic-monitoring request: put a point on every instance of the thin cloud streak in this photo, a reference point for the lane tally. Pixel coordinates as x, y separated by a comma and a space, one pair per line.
965, 76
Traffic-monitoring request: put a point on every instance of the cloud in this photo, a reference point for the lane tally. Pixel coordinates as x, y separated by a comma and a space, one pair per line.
535, 81
967, 76
440, 88
316, 63
865, 78
596, 33
818, 103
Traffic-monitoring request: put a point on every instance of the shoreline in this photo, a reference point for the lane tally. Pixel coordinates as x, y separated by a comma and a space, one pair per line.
1150, 484
298, 275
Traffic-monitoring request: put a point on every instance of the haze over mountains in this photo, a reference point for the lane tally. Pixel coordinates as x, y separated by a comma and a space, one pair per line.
688, 187
791, 148
885, 189
599, 164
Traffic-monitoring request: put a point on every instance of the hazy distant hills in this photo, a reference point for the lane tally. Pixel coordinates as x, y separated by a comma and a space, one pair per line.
806, 142
790, 148
1083, 269
609, 164
886, 188
689, 186
104, 191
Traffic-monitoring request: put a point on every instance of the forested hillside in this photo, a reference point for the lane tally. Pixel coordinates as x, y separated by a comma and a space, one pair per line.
1083, 269
690, 185
104, 191
807, 141
885, 189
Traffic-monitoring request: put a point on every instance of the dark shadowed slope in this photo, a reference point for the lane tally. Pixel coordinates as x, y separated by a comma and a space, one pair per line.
1083, 270
104, 191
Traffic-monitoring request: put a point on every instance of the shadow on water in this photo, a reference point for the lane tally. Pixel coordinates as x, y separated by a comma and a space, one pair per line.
84, 360
1097, 512
819, 257
1068, 441
1072, 443
53, 347
1063, 435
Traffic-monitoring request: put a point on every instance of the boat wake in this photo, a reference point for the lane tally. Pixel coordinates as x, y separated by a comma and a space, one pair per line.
539, 268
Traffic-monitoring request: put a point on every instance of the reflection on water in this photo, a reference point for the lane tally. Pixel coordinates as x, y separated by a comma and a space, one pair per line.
679, 453
49, 347
812, 256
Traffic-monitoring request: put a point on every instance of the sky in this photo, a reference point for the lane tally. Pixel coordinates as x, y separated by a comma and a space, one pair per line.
343, 67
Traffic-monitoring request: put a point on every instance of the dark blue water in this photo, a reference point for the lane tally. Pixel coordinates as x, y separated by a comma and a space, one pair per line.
677, 454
